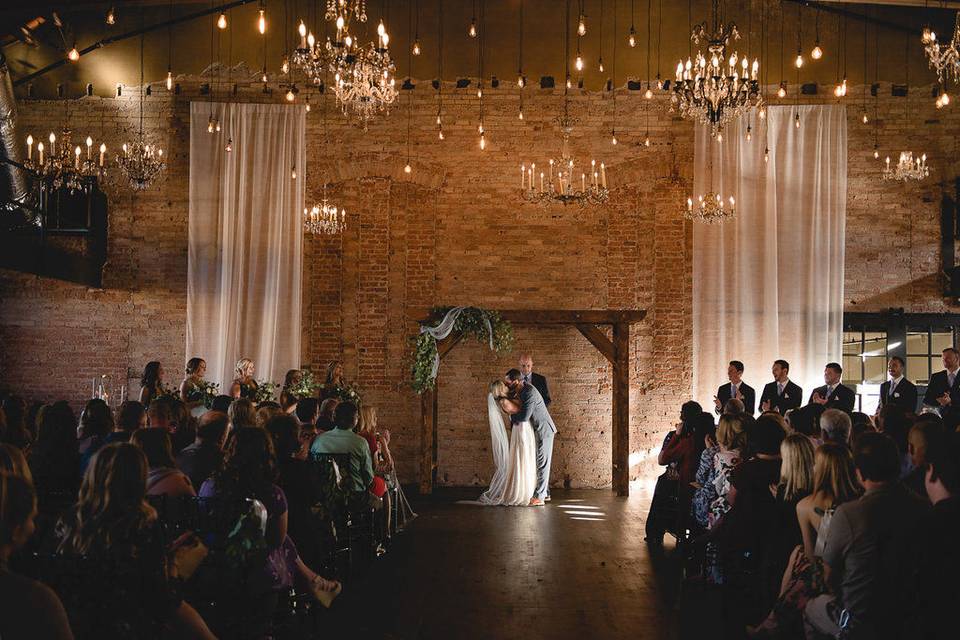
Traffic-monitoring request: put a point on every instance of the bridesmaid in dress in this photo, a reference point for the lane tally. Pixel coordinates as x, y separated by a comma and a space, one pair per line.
192, 385
151, 382
244, 386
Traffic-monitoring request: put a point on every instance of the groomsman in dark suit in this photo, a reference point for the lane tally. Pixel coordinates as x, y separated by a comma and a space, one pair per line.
736, 388
943, 392
834, 394
537, 380
898, 390
781, 395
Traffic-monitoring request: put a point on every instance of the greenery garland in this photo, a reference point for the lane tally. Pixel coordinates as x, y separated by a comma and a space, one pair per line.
471, 323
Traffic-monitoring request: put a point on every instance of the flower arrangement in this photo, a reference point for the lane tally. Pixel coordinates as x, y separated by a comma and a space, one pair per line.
205, 392
265, 392
483, 325
345, 392
307, 387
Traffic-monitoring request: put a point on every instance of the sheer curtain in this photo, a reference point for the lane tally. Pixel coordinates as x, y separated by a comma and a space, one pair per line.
245, 238
769, 283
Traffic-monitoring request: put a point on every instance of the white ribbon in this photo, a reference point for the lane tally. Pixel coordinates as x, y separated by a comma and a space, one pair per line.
445, 328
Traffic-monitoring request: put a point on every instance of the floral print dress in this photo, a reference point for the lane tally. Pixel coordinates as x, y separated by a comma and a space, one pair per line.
707, 492
724, 463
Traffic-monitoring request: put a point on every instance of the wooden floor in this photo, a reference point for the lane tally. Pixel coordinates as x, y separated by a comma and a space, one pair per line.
577, 568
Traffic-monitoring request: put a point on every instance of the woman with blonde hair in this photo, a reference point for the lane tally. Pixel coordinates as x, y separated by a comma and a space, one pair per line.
730, 438
383, 464
244, 386
834, 483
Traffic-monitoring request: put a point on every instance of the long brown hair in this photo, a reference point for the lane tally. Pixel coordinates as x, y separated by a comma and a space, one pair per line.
834, 473
18, 500
112, 502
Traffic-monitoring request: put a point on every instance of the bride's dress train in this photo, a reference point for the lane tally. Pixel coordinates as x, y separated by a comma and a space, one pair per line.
515, 464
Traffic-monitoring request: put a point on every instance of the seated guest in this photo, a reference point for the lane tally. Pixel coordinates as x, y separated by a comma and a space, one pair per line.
242, 414
328, 409
731, 440
191, 389
244, 386
834, 394
28, 609
704, 491
923, 435
160, 415
13, 460
151, 383
221, 403
898, 390
249, 471
54, 458
13, 426
871, 551
806, 420
835, 426
130, 416
834, 482
96, 423
265, 411
733, 407
943, 391
384, 466
288, 400
308, 412
342, 439
129, 570
781, 395
939, 555
184, 429
896, 423
200, 459
736, 389
163, 477
680, 455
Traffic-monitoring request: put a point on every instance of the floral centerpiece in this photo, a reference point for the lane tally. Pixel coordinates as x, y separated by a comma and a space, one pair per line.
265, 392
306, 388
205, 392
344, 392
483, 325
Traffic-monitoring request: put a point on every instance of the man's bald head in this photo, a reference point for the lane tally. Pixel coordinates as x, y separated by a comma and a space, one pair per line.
525, 363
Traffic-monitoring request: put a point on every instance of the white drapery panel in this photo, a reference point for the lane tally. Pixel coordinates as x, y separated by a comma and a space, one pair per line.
769, 284
245, 238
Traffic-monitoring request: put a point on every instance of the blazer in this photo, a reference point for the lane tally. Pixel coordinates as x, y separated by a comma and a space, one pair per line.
904, 395
534, 410
937, 387
843, 397
540, 383
791, 398
749, 397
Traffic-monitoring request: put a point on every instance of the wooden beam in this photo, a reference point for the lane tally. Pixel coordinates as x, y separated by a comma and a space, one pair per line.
621, 409
598, 339
427, 443
556, 316
445, 346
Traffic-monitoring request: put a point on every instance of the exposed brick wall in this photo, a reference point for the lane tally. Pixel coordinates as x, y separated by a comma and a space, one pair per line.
454, 232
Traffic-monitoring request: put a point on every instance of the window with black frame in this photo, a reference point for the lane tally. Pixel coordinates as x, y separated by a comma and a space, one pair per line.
865, 365
925, 347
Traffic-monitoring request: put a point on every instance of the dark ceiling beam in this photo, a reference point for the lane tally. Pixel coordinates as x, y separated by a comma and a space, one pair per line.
131, 34
831, 7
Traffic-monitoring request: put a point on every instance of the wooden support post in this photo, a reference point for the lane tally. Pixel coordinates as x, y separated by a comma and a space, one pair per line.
621, 409
427, 441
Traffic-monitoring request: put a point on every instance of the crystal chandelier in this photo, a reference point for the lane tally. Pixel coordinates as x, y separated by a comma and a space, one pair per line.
140, 161
710, 208
62, 165
945, 60
364, 77
907, 168
561, 182
324, 218
710, 88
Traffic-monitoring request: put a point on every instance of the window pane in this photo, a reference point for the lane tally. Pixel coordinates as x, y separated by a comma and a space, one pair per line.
851, 369
918, 343
875, 343
868, 403
917, 369
851, 342
941, 340
936, 364
874, 369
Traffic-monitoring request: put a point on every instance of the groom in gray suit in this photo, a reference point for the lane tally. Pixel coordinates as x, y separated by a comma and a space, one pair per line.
534, 410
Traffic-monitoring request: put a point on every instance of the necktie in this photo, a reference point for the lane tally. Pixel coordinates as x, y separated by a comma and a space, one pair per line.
733, 390
829, 391
526, 379
893, 385
780, 388
950, 378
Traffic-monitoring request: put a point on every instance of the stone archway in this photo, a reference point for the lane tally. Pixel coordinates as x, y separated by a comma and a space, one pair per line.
617, 351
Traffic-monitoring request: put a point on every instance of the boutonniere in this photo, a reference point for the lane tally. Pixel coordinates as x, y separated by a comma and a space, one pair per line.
786, 396
896, 394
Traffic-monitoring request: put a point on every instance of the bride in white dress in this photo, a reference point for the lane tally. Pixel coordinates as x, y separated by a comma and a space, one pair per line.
515, 464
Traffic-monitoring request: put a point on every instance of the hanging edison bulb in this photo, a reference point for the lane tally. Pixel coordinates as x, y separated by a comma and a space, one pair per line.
293, 172
291, 95
876, 153
601, 64
262, 22
766, 154
749, 133
169, 79
582, 26
210, 125
229, 146
646, 141
285, 66
472, 31
613, 137
222, 21
440, 134
864, 118
407, 168
762, 112
648, 94
483, 141
782, 91
416, 47
798, 61
796, 120
216, 125
520, 114
569, 84
579, 63
520, 81
632, 38
111, 18
73, 55
817, 52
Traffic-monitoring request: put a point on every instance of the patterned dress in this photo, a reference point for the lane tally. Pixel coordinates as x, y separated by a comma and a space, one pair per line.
707, 492
724, 464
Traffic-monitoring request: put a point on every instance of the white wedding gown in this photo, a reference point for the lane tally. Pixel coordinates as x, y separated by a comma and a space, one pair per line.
515, 464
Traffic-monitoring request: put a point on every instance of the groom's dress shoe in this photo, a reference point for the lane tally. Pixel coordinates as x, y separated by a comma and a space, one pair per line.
536, 502
546, 499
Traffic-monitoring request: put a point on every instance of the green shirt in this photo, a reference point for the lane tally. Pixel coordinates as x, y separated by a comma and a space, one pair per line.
346, 441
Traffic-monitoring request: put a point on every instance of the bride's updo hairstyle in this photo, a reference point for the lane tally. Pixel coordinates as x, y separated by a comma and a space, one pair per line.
499, 390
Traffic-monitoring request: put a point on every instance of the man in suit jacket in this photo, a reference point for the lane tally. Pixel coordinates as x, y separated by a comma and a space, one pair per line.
534, 410
781, 395
898, 390
737, 388
943, 392
834, 394
537, 380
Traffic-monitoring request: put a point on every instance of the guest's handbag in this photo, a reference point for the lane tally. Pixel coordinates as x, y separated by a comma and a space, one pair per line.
188, 552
